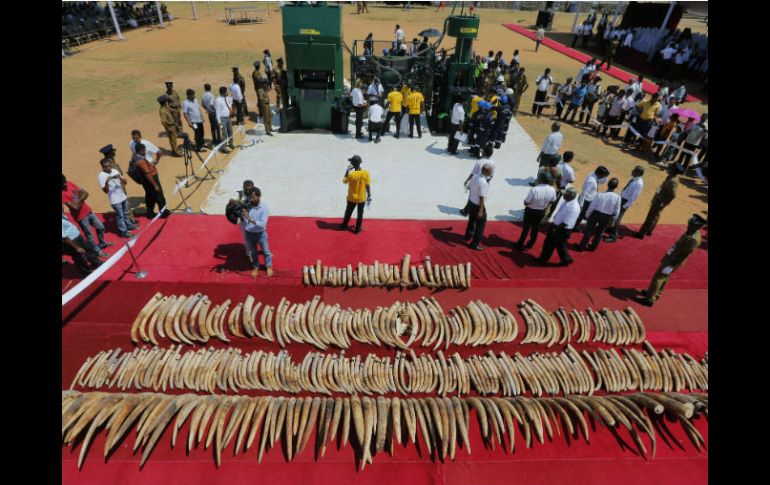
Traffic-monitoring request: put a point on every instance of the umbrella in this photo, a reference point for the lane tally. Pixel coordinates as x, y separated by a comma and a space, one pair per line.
429, 33
685, 113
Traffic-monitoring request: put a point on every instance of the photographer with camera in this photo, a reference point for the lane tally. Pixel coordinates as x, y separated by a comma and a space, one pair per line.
253, 219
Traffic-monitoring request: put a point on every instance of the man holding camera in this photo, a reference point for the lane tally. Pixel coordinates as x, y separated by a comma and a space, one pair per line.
359, 192
254, 224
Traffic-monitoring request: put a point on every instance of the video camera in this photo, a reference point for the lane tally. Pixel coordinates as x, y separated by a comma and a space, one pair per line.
234, 209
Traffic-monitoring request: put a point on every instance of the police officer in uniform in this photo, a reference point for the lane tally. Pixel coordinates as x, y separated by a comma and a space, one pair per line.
175, 104
169, 123
109, 154
241, 81
263, 98
281, 83
519, 86
256, 75
663, 196
674, 259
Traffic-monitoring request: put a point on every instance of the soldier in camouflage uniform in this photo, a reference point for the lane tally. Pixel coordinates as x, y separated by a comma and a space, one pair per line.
175, 105
674, 259
663, 196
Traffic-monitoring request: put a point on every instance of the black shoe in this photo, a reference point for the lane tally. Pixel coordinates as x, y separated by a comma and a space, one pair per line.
357, 230
566, 263
520, 247
643, 301
411, 136
269, 134
609, 239
165, 214
377, 140
638, 235
580, 249
343, 227
463, 212
476, 248
150, 215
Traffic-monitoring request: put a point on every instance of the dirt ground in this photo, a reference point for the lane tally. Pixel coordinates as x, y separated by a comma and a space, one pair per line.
109, 88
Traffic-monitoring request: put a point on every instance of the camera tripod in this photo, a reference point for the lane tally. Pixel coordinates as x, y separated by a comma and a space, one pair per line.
187, 155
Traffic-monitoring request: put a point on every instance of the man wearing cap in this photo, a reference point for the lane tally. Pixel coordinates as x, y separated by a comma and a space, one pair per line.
263, 98
376, 114
169, 124
192, 114
603, 207
535, 203
357, 98
175, 105
395, 100
254, 224
627, 197
590, 188
256, 75
238, 98
663, 196
75, 198
108, 151
359, 192
477, 210
281, 84
674, 259
519, 86
551, 144
416, 102
560, 229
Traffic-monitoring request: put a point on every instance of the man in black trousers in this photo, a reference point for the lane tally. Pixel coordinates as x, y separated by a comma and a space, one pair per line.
477, 211
603, 208
560, 230
535, 203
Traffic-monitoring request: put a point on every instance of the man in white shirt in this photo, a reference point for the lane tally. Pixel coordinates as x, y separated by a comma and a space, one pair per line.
224, 109
375, 89
628, 196
551, 144
357, 98
567, 175
113, 184
376, 116
538, 198
601, 210
636, 86
455, 125
693, 141
560, 229
207, 101
539, 35
477, 167
542, 82
399, 35
237, 95
192, 114
627, 41
153, 153
477, 212
590, 187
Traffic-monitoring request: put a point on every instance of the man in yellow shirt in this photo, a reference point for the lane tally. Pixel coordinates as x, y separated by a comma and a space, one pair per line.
416, 102
475, 104
406, 91
359, 192
395, 100
647, 110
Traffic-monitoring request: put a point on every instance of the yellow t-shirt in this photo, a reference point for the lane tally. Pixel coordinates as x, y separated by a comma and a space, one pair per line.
405, 92
357, 181
475, 104
648, 110
415, 101
395, 98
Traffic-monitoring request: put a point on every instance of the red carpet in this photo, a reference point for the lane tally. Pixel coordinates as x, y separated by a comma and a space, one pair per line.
579, 56
186, 254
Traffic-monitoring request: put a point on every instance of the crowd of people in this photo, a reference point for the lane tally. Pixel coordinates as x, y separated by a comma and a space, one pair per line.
79, 18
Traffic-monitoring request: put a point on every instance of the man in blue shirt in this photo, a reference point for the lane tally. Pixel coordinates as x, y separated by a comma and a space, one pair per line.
72, 243
254, 223
576, 102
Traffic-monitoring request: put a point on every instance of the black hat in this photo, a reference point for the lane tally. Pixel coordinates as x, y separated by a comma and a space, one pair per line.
280, 60
355, 160
169, 83
697, 221
106, 149
256, 63
235, 68
162, 99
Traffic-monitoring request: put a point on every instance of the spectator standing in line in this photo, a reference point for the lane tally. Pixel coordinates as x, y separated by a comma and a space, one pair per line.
224, 110
560, 230
586, 33
207, 100
593, 94
477, 211
665, 134
627, 41
628, 196
357, 98
694, 138
562, 95
610, 52
674, 259
238, 99
359, 192
72, 243
416, 103
153, 192
601, 210
267, 60
590, 188
539, 35
114, 185
576, 101
648, 111
254, 223
395, 100
576, 34
665, 194
538, 198
551, 144
168, 121
192, 114
567, 175
542, 83
376, 114
75, 198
